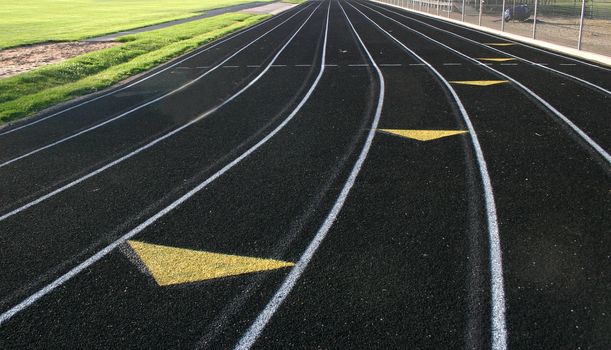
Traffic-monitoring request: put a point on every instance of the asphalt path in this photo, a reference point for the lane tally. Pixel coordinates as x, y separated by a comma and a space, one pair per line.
343, 175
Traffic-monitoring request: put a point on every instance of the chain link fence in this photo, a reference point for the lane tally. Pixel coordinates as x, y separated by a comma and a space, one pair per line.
581, 24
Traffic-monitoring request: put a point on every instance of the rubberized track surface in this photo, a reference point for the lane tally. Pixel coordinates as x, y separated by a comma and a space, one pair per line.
146, 217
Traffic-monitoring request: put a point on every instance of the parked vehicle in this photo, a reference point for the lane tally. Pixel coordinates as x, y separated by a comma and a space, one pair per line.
517, 13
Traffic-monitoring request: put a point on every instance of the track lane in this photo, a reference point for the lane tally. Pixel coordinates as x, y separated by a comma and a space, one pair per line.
546, 220
592, 139
152, 84
83, 157
121, 198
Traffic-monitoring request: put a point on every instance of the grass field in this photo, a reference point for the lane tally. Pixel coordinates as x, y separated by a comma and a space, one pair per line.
30, 92
33, 21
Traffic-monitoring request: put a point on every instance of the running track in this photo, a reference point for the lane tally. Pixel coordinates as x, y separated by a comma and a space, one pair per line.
298, 145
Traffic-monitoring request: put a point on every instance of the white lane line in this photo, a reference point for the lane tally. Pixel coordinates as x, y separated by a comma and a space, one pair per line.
278, 65
499, 328
140, 80
184, 68
568, 64
389, 65
251, 335
509, 64
7, 315
154, 142
416, 64
147, 103
542, 65
358, 65
230, 66
253, 66
595, 146
202, 67
452, 64
303, 65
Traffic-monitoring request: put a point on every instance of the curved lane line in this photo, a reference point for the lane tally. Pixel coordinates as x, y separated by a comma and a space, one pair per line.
180, 88
188, 57
595, 146
148, 145
583, 81
251, 335
499, 328
7, 315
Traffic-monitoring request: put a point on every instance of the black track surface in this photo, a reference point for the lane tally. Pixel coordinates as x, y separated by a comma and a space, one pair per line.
407, 261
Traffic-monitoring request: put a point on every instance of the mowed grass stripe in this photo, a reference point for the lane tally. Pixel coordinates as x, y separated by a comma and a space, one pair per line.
30, 92
34, 21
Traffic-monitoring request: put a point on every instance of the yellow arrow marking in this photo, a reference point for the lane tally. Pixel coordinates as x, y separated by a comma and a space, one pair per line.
423, 135
479, 82
496, 59
170, 265
499, 44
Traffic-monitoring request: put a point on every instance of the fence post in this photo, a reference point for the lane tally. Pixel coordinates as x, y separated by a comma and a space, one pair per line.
535, 20
583, 14
462, 15
481, 9
503, 17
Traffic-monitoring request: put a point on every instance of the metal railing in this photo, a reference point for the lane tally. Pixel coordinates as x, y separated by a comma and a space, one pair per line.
582, 24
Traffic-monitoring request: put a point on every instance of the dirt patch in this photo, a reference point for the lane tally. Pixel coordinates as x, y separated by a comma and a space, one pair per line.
21, 59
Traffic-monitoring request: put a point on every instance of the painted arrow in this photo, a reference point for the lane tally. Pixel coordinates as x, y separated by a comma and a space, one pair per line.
171, 265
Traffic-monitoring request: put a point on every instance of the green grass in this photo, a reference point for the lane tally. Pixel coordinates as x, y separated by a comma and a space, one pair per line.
30, 92
33, 21
294, 1
594, 9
